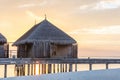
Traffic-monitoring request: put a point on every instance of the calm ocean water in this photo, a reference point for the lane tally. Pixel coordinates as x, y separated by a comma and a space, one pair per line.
81, 67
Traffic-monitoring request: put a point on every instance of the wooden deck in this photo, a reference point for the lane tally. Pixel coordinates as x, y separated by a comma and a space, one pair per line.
64, 64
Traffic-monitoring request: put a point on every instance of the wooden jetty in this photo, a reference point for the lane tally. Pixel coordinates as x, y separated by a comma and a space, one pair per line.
63, 64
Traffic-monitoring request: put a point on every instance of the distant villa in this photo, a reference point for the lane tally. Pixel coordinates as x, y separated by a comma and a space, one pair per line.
3, 40
45, 40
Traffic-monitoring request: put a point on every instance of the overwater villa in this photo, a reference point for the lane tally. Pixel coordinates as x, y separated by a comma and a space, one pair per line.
3, 40
45, 40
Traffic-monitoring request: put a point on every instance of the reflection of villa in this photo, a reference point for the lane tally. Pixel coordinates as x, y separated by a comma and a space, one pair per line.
3, 40
45, 40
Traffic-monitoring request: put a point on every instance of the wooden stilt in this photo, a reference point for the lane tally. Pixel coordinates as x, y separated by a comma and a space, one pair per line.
53, 68
76, 67
5, 70
34, 69
107, 66
65, 67
57, 67
60, 67
43, 68
49, 68
31, 69
70, 69
90, 66
39, 69
28, 69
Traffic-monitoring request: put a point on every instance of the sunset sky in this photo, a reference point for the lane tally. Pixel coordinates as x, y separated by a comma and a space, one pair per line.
94, 24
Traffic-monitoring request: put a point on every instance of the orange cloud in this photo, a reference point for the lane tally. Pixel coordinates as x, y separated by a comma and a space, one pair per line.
33, 15
115, 29
101, 5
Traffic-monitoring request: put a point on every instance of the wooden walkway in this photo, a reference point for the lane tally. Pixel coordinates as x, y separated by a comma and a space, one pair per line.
64, 64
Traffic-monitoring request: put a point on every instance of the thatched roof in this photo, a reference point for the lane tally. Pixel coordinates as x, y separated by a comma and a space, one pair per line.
2, 39
45, 31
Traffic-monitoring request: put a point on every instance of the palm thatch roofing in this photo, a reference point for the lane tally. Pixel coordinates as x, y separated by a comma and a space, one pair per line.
45, 31
2, 39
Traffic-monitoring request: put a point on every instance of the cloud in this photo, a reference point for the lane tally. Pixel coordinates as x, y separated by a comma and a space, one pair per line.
103, 30
29, 5
43, 3
26, 5
33, 15
101, 5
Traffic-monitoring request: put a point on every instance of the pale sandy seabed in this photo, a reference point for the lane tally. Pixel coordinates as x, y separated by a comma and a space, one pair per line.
111, 74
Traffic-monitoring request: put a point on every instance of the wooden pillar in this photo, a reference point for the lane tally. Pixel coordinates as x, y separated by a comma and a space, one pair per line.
57, 68
90, 66
65, 67
28, 69
49, 68
53, 68
39, 69
75, 67
34, 69
107, 66
17, 70
5, 70
70, 69
62, 67
43, 68
23, 70
20, 69
31, 69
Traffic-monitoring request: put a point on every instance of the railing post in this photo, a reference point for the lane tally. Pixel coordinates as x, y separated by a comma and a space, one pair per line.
5, 70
